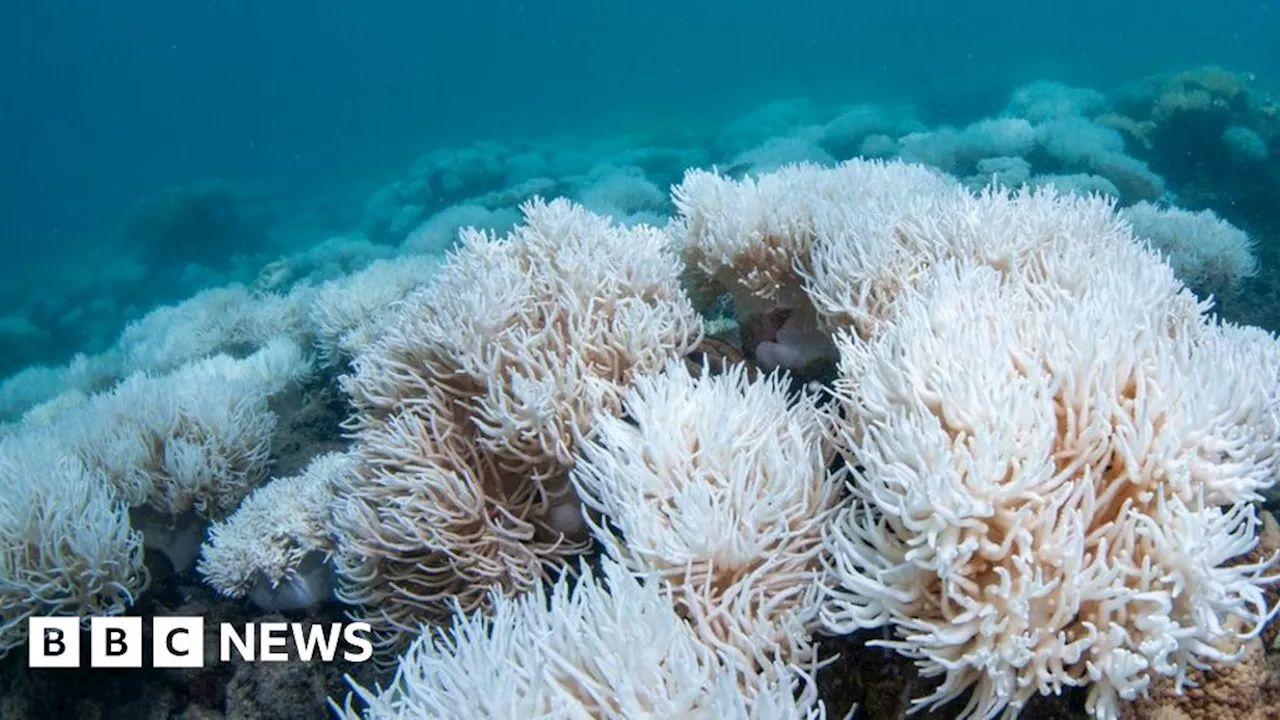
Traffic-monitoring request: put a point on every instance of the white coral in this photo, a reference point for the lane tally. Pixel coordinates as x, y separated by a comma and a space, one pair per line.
471, 403
274, 546
720, 485
608, 647
344, 313
1208, 253
66, 546
228, 319
1056, 458
195, 439
782, 242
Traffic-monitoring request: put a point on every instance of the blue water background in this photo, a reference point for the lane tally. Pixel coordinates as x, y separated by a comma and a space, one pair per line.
103, 103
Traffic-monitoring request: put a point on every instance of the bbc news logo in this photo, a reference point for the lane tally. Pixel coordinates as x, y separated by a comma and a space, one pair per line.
178, 642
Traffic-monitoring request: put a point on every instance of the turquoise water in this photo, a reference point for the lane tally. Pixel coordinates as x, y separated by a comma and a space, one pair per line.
102, 104
311, 107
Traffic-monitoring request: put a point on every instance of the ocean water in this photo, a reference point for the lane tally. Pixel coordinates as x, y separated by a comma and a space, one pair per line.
150, 152
314, 104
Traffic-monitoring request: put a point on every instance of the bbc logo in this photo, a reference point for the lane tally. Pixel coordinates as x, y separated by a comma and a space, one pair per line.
178, 642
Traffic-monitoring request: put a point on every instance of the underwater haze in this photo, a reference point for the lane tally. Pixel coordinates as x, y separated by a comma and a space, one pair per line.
151, 150
100, 103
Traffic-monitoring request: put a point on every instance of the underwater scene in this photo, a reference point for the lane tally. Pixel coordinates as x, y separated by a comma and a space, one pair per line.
659, 359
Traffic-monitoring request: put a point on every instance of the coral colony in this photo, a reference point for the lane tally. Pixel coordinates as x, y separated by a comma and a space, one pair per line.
976, 413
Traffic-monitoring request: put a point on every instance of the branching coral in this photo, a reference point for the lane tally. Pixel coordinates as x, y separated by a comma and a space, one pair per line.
1208, 253
196, 439
425, 524
181, 448
344, 313
94, 479
1051, 451
231, 320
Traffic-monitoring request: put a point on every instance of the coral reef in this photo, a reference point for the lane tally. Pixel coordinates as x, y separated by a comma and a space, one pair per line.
963, 428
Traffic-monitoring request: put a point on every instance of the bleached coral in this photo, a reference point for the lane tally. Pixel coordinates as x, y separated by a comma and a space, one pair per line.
719, 485
958, 152
587, 648
1009, 172
424, 524
66, 546
621, 192
1208, 253
38, 384
92, 480
439, 233
759, 240
1056, 454
534, 333
195, 439
1075, 141
1044, 100
274, 548
801, 146
343, 314
868, 258
228, 319
1077, 183
470, 406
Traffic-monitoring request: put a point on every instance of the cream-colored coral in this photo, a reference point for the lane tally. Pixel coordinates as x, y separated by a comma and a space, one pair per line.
1248, 689
344, 314
534, 332
66, 546
1208, 253
425, 524
472, 401
1056, 453
605, 645
720, 485
275, 530
92, 480
231, 320
196, 439
767, 242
